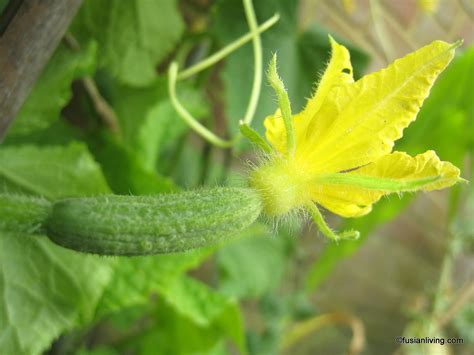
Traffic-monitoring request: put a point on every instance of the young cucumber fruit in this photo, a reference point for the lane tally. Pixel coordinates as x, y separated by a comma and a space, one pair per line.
141, 225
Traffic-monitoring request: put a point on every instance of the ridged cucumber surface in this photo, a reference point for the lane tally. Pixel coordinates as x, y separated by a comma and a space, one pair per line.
141, 225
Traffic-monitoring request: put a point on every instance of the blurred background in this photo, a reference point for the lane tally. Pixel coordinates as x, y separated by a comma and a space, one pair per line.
99, 120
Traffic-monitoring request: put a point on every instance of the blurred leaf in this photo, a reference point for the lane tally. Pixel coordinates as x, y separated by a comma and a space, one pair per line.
57, 133
52, 172
194, 318
3, 4
195, 321
124, 171
254, 264
464, 323
150, 275
52, 91
215, 314
103, 350
134, 35
218, 349
45, 289
302, 56
442, 125
198, 166
148, 120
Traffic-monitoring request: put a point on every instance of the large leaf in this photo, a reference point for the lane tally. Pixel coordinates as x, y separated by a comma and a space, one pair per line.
134, 35
148, 120
52, 91
150, 275
3, 4
253, 265
204, 316
213, 313
51, 172
45, 289
302, 56
124, 170
189, 318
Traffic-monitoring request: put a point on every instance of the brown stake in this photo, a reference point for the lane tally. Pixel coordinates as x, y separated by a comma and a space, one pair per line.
31, 31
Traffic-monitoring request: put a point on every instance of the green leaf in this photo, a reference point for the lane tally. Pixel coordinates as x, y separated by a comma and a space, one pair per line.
134, 35
196, 167
57, 133
102, 350
148, 120
193, 318
150, 274
302, 56
124, 171
52, 91
254, 264
45, 289
3, 4
215, 314
187, 318
51, 172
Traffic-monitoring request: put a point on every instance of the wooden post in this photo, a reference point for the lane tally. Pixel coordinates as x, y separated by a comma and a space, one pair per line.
30, 30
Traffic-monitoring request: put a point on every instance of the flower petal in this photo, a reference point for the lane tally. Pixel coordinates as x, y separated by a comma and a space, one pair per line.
396, 172
275, 131
359, 122
338, 72
342, 207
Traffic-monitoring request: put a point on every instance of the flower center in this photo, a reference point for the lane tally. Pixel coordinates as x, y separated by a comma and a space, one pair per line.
282, 186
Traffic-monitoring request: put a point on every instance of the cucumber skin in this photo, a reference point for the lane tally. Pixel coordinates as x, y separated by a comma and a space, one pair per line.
143, 225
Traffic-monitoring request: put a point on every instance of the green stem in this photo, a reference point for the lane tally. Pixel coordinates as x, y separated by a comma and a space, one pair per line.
187, 117
325, 229
258, 65
284, 104
255, 138
253, 35
22, 214
224, 52
445, 279
303, 328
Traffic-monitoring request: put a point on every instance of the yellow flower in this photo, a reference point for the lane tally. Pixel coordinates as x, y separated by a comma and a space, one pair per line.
337, 152
349, 6
429, 6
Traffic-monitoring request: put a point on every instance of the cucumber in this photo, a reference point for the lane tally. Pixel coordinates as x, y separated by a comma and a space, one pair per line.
142, 225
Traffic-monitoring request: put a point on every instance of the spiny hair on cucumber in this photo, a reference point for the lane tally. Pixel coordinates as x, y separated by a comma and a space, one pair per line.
142, 225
